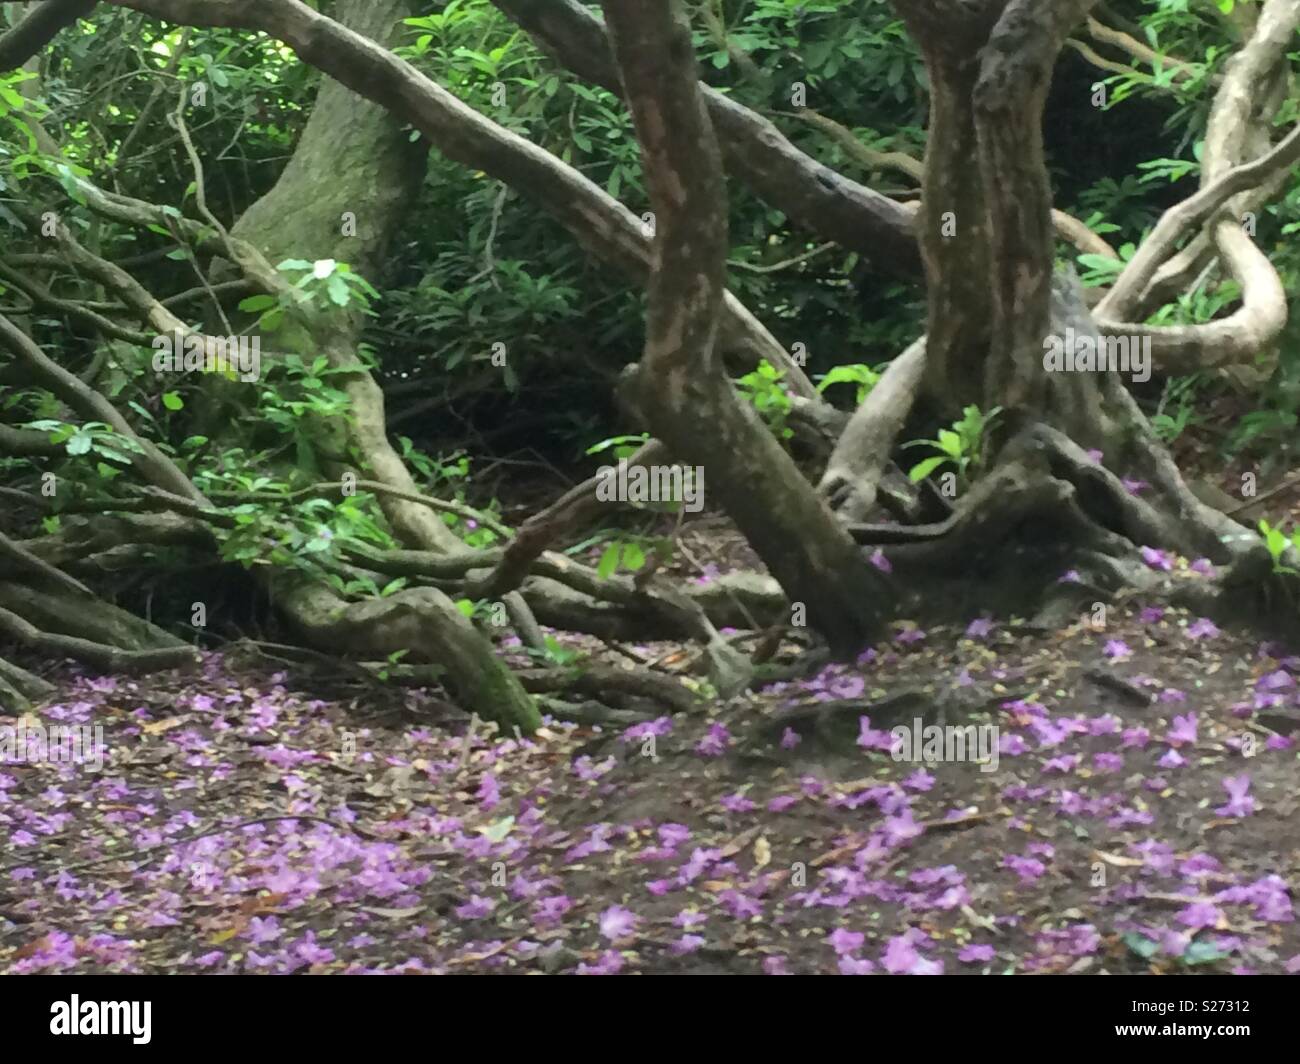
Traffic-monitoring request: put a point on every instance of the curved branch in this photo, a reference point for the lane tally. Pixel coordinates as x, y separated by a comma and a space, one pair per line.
1125, 295
853, 473
600, 223
1233, 120
27, 442
155, 466
26, 562
99, 655
1137, 49
536, 534
756, 151
38, 28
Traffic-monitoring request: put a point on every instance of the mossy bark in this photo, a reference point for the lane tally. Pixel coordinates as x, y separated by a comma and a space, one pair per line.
343, 196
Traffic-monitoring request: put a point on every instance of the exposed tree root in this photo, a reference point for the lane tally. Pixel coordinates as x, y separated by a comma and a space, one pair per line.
1047, 509
529, 631
1044, 507
97, 623
637, 688
102, 656
591, 712
20, 688
424, 622
19, 557
618, 607
1252, 593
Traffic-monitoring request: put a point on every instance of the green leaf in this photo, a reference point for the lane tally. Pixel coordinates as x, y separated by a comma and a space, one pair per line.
1141, 945
616, 441
608, 561
855, 374
950, 443
80, 443
923, 469
338, 291
173, 401
1202, 953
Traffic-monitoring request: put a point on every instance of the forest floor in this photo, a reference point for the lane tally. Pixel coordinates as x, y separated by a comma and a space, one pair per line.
1140, 816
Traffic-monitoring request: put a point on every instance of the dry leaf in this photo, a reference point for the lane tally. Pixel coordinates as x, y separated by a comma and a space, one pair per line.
1116, 859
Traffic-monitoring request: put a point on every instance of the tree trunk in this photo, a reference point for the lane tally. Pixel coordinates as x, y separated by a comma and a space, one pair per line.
355, 159
680, 387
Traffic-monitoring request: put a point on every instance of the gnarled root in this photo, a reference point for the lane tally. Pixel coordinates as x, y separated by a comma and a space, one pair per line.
424, 622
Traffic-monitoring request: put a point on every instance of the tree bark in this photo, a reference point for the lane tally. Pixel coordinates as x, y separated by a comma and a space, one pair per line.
680, 387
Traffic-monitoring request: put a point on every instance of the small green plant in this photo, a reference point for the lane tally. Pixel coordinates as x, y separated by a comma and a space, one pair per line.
328, 282
961, 446
762, 388
1278, 543
1201, 305
622, 446
87, 438
1196, 953
553, 652
1270, 430
448, 475
621, 554
1176, 412
1102, 269
391, 660
858, 374
1263, 425
558, 654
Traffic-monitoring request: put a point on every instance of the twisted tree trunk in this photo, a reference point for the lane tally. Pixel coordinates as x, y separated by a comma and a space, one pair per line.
680, 387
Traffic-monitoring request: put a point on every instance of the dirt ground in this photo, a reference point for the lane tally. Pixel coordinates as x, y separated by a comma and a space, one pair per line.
1140, 815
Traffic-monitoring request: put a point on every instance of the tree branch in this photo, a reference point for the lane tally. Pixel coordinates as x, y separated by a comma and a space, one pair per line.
40, 26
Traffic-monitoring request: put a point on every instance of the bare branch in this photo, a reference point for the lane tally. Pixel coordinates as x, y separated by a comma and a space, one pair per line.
41, 25
602, 224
